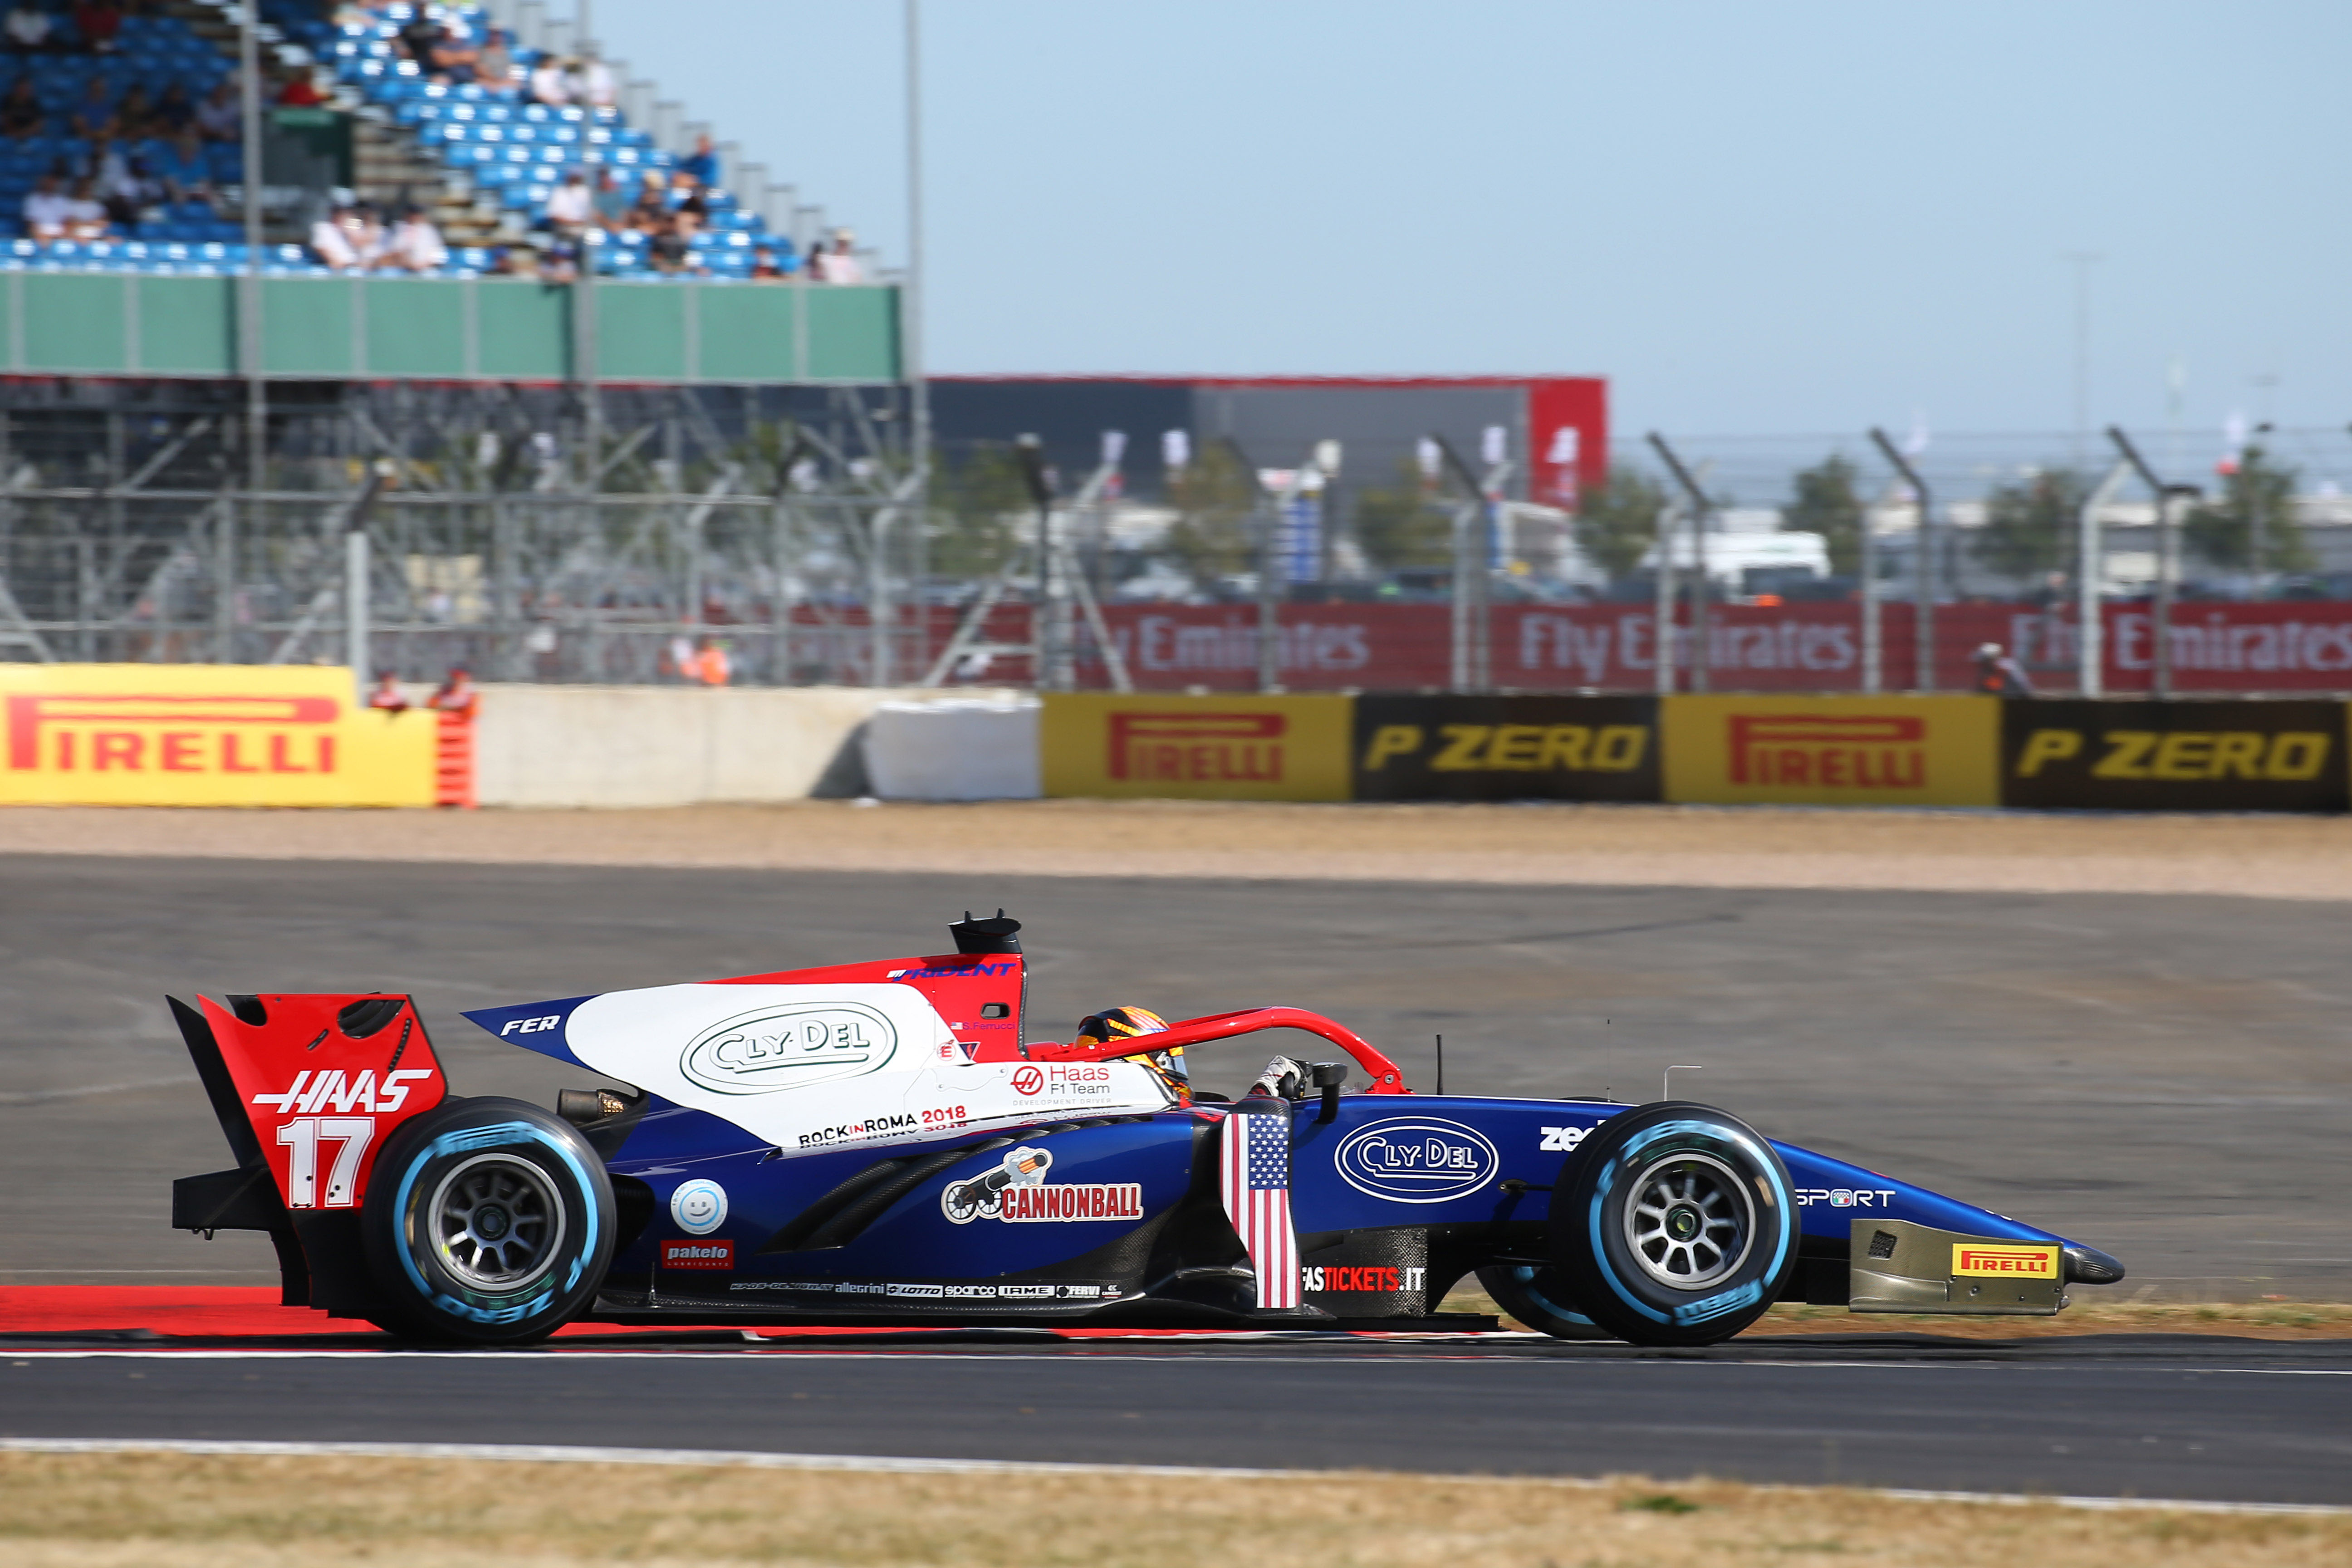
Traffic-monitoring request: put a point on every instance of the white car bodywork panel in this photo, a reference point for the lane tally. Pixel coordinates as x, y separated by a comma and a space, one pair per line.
810, 1067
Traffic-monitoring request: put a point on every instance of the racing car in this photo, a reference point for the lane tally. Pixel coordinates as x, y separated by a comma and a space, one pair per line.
883, 1142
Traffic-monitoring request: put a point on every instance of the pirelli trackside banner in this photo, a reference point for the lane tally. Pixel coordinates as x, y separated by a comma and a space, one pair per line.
1506, 748
1832, 751
2175, 757
205, 734
1224, 747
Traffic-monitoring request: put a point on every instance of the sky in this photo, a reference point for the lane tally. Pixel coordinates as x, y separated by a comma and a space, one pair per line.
1753, 220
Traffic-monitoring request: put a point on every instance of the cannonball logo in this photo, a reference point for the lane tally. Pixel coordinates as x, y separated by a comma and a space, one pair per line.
776, 1048
1029, 1080
699, 1206
1416, 1160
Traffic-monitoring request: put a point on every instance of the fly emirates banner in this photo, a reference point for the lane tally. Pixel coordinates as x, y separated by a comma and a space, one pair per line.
205, 734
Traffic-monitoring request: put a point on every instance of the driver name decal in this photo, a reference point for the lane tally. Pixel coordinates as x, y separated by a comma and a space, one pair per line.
777, 1049
1416, 1160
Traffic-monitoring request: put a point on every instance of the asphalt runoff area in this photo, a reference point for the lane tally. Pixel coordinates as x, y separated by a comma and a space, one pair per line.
2162, 1076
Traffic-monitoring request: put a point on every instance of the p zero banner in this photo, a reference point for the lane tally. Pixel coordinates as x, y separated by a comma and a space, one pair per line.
1832, 751
205, 734
1220, 747
2175, 757
1506, 748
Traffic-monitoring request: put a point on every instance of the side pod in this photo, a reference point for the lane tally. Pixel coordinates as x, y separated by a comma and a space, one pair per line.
306, 1089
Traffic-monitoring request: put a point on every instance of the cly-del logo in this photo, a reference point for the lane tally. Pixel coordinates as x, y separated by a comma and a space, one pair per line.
1830, 751
1197, 747
1416, 1160
777, 1049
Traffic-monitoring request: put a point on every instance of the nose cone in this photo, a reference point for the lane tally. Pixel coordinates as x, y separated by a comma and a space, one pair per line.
2089, 1265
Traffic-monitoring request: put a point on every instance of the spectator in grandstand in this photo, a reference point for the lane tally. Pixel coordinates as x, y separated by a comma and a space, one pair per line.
837, 262
181, 166
174, 112
119, 178
300, 92
47, 210
593, 83
330, 241
516, 261
85, 214
415, 245
20, 112
134, 114
612, 201
97, 22
221, 116
453, 57
551, 83
572, 206
494, 66
387, 697
418, 35
94, 115
28, 29
765, 269
650, 214
671, 251
692, 215
701, 165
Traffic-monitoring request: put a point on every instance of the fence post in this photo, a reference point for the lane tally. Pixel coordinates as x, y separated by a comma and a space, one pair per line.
1923, 625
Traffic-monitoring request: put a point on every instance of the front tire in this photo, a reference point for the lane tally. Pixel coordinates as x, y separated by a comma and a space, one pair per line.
1539, 1298
1674, 1223
487, 1221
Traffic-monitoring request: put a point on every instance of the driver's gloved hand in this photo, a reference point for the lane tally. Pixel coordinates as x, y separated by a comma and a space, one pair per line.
1282, 1077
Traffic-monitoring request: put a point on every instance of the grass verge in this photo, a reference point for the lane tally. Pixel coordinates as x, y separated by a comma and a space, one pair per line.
185, 1511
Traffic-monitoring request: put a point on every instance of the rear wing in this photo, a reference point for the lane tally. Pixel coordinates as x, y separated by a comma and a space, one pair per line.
306, 1089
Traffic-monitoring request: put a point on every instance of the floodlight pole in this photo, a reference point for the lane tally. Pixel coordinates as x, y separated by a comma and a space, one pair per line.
1698, 559
1923, 623
250, 344
2090, 550
2168, 551
911, 293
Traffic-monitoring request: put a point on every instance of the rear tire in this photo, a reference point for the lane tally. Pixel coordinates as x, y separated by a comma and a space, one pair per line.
487, 1221
1539, 1298
1674, 1223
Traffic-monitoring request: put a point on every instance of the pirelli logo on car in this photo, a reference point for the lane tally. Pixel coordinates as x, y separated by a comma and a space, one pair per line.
1982, 1260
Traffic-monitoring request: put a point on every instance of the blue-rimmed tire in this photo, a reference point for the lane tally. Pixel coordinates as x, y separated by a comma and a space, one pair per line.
1674, 1223
1537, 1296
487, 1221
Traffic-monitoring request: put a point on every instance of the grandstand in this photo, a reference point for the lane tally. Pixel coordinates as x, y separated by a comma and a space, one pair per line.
484, 157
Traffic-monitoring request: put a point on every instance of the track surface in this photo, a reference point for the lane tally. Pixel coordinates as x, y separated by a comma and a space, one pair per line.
2235, 1422
2163, 1078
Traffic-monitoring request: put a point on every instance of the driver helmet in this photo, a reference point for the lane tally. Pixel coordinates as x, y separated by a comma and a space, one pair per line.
1126, 1023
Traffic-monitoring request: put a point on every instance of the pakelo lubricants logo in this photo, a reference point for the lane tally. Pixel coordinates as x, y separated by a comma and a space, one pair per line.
1830, 751
141, 734
1197, 747
1416, 1160
777, 1049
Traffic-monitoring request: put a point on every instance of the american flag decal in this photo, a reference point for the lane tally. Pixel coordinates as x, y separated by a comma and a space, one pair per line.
1255, 1178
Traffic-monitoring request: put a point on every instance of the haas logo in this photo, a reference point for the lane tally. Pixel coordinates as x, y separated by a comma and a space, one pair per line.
1029, 1080
778, 1048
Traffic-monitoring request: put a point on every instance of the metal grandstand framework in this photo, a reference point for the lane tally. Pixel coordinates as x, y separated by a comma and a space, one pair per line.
773, 518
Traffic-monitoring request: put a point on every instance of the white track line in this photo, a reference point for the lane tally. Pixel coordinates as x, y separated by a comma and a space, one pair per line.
554, 1454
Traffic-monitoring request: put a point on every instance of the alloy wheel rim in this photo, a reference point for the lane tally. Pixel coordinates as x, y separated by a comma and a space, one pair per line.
497, 1223
1690, 1222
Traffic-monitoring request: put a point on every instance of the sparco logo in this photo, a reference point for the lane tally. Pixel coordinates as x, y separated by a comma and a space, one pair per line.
789, 1048
1418, 1160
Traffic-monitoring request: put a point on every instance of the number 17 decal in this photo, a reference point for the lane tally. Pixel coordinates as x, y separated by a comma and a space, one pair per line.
301, 1136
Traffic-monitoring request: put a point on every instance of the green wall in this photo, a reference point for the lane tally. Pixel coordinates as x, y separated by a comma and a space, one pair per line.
102, 323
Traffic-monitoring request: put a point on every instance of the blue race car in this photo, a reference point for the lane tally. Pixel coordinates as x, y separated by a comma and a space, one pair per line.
883, 1143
